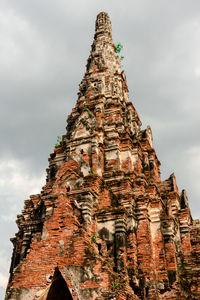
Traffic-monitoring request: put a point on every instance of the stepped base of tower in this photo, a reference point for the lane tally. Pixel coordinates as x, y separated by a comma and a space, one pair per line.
107, 245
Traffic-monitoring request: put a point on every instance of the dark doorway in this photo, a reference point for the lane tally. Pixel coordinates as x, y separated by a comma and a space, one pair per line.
58, 289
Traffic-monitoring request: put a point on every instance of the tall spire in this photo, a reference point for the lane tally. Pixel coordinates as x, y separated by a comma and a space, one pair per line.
103, 25
104, 217
102, 56
103, 86
103, 78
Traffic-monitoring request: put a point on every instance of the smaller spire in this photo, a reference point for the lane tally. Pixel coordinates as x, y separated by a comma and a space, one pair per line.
103, 25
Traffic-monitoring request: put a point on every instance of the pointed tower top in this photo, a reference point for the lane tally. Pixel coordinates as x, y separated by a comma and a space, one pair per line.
102, 56
103, 25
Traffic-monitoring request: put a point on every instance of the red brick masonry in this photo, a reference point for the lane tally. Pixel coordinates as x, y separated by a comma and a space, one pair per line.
104, 217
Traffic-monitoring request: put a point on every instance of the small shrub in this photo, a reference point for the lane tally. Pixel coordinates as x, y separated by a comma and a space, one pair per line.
58, 144
115, 285
88, 111
94, 238
118, 48
92, 171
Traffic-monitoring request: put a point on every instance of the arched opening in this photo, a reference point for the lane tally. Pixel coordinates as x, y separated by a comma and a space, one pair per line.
58, 289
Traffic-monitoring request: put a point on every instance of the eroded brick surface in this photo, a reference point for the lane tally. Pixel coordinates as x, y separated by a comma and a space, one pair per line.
104, 217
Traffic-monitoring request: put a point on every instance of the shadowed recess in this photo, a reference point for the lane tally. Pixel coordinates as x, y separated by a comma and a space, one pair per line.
58, 289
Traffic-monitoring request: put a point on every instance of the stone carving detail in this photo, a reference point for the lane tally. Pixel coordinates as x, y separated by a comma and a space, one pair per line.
83, 86
107, 85
184, 199
115, 87
85, 203
146, 161
97, 87
85, 125
120, 233
103, 23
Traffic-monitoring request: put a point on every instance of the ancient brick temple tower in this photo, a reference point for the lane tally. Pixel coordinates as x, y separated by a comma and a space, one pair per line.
105, 226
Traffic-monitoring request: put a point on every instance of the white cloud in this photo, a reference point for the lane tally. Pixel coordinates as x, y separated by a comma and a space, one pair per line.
3, 280
4, 267
16, 184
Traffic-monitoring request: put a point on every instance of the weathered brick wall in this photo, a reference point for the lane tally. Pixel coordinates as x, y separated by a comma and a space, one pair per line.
104, 217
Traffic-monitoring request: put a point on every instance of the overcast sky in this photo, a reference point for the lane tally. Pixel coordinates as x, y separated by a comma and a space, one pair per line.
44, 45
